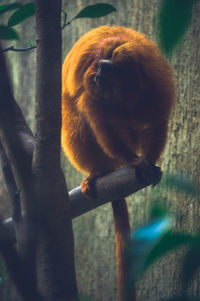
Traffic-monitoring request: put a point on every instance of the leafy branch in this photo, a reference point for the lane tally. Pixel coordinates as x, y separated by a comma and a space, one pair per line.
23, 12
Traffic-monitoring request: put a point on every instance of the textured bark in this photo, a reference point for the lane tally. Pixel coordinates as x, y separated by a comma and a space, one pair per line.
55, 247
94, 235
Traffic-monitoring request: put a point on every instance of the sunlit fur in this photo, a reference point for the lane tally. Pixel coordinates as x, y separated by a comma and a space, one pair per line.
105, 129
141, 127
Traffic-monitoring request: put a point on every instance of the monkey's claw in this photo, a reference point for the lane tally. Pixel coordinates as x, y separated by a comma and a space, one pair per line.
148, 173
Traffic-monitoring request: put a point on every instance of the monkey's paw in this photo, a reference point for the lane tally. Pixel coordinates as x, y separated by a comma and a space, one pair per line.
147, 173
88, 185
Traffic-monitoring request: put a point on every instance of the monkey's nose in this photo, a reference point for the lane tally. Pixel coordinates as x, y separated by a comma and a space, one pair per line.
104, 75
105, 65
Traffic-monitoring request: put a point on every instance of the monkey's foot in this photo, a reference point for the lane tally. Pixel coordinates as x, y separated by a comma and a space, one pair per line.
88, 185
147, 172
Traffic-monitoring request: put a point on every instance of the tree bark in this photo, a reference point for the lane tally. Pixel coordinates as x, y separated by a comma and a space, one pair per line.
55, 262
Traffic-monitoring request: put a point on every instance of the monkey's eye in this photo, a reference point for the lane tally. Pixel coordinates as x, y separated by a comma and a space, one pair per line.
105, 73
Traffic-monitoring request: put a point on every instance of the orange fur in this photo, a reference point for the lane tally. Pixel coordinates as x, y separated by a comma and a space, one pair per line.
104, 129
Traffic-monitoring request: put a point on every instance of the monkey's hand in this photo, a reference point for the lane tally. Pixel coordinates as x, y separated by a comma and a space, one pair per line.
88, 185
147, 172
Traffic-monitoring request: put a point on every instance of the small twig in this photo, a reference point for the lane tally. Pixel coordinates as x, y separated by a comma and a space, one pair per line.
65, 24
65, 20
12, 48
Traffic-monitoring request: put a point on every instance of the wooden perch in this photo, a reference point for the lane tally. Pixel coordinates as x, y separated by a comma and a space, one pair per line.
120, 183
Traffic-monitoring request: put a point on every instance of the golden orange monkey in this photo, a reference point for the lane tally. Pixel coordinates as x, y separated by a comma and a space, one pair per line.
118, 93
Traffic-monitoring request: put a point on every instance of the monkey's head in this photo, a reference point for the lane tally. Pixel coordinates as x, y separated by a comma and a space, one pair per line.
131, 77
118, 77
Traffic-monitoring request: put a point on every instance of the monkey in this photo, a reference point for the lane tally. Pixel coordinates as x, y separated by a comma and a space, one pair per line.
117, 97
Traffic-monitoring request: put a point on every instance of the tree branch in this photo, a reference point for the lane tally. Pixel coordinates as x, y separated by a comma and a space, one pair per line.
115, 185
118, 184
15, 135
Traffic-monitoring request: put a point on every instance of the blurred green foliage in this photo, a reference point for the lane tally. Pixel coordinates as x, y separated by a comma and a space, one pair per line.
157, 238
21, 14
174, 19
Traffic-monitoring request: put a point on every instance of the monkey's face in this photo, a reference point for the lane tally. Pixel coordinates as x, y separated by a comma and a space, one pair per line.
119, 82
105, 74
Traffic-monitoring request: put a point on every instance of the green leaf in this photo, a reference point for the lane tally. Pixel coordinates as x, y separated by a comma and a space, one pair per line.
96, 11
7, 33
7, 7
170, 241
191, 265
173, 21
32, 43
142, 241
180, 183
157, 210
25, 12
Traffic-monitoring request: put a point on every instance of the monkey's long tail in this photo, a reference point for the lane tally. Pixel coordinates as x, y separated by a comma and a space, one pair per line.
122, 231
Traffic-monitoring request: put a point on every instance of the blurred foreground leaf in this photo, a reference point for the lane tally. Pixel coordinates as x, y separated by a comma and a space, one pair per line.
23, 13
142, 241
7, 33
157, 210
173, 21
152, 241
191, 265
180, 183
8, 7
168, 242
